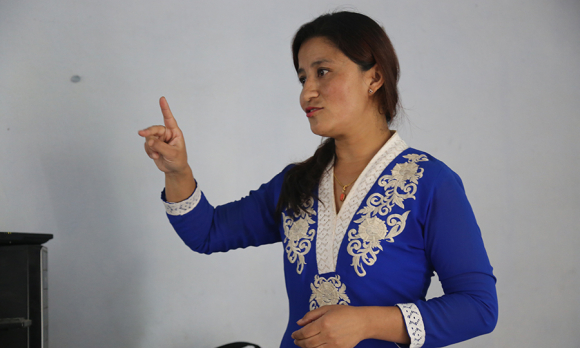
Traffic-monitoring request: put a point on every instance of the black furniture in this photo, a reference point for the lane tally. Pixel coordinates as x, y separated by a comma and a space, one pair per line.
239, 345
23, 290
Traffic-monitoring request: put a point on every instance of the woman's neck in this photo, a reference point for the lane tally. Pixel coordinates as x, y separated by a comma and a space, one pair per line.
356, 151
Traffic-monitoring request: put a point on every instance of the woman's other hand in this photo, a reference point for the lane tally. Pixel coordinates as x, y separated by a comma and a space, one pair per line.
166, 146
340, 326
334, 326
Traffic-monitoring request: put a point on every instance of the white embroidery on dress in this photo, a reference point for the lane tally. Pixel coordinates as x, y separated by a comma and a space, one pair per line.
365, 242
332, 227
414, 322
298, 235
327, 292
183, 207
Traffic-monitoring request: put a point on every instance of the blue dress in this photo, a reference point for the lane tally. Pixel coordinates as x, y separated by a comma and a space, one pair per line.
406, 217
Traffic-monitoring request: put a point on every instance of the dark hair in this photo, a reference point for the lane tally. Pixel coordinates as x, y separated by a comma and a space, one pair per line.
364, 42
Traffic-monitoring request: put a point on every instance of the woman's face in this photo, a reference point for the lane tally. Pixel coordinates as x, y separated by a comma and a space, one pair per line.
335, 93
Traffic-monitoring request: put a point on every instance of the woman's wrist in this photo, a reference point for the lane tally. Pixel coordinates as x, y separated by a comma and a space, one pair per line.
385, 323
179, 185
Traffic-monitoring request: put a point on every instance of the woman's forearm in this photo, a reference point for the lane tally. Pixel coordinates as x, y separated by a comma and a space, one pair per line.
346, 326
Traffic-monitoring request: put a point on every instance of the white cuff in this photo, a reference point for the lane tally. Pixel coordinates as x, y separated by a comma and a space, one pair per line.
414, 322
183, 207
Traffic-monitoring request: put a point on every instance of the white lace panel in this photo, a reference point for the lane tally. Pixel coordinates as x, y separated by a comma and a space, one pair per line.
332, 227
414, 322
326, 223
183, 207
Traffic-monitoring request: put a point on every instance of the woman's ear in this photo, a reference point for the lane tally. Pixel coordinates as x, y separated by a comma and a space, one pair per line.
374, 79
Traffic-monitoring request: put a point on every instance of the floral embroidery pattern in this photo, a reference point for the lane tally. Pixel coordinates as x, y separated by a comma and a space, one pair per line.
365, 242
298, 235
327, 292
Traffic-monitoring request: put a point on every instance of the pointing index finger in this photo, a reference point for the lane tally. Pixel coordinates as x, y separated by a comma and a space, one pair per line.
168, 118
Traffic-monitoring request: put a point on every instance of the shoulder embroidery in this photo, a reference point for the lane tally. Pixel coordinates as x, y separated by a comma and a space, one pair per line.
327, 292
364, 243
298, 235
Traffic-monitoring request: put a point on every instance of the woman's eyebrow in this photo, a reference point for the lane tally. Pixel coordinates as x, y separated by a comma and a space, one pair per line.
315, 63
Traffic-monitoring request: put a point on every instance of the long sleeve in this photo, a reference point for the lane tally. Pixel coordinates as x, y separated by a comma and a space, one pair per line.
251, 221
455, 248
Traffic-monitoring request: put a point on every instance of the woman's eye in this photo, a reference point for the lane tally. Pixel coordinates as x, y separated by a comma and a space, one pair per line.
302, 80
322, 72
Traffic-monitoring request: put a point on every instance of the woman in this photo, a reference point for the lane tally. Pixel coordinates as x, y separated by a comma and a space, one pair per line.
364, 222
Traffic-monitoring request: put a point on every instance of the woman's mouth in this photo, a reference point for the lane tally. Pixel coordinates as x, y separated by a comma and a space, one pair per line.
311, 110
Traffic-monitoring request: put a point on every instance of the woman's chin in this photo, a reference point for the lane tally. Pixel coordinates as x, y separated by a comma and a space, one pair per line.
316, 128
317, 131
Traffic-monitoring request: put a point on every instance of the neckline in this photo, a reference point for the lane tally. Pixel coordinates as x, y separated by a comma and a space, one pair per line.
393, 140
332, 226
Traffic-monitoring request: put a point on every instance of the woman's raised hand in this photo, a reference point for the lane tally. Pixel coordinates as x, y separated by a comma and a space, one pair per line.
166, 146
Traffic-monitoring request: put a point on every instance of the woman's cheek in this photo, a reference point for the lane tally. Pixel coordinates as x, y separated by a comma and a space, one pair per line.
335, 93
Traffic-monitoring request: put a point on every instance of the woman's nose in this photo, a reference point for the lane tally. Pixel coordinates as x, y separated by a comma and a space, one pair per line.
309, 91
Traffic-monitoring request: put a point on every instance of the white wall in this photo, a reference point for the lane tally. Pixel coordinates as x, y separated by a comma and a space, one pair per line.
491, 88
